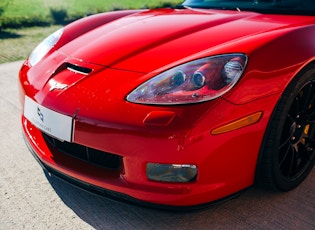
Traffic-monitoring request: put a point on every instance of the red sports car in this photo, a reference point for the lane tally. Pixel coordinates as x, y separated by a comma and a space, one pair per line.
176, 107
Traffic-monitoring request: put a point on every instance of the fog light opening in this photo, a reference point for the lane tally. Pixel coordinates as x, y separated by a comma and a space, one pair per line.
181, 173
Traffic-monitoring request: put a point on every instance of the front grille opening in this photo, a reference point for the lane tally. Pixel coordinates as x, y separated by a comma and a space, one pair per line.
94, 156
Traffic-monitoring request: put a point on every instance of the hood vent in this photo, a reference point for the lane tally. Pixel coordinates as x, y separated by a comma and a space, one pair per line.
78, 69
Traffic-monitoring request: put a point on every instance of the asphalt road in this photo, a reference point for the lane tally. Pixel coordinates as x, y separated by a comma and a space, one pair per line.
30, 199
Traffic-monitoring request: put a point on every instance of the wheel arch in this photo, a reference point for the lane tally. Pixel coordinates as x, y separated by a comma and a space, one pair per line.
260, 173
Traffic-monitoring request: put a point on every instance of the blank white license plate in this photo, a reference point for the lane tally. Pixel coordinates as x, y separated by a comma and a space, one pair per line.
48, 121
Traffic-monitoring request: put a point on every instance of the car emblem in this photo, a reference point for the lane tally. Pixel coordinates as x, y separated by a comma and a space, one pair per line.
56, 85
40, 114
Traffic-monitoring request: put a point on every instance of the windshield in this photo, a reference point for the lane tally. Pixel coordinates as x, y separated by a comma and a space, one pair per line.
298, 7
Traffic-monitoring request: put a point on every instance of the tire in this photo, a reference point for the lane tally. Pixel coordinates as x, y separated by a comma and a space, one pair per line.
287, 154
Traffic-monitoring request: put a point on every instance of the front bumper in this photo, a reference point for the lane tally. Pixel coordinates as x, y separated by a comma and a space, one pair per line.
222, 170
118, 196
106, 180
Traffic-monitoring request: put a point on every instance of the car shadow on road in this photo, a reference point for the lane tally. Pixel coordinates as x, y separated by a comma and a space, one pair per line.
254, 209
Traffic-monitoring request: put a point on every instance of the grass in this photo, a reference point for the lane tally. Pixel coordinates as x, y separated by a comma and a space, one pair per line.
17, 44
17, 8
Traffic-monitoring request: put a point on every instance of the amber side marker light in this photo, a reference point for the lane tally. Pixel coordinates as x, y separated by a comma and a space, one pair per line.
240, 123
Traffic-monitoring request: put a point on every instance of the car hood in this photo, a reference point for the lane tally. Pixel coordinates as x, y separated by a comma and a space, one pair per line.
149, 40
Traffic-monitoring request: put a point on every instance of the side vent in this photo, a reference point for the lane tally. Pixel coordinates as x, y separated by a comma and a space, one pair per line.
78, 69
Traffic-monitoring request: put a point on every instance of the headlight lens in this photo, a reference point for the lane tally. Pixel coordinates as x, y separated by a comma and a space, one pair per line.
44, 47
197, 81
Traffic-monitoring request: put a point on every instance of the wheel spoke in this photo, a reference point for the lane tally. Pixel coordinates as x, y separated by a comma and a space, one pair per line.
286, 153
308, 94
311, 118
290, 118
304, 101
289, 173
285, 142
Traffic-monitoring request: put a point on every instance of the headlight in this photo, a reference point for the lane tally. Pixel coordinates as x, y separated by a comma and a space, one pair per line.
197, 81
44, 47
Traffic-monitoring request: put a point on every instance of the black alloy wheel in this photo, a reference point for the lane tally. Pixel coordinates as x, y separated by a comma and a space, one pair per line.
288, 151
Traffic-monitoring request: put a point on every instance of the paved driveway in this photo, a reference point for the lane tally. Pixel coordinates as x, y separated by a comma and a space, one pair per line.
31, 199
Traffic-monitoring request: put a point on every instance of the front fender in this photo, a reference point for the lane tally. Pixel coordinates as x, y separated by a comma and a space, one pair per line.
273, 64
